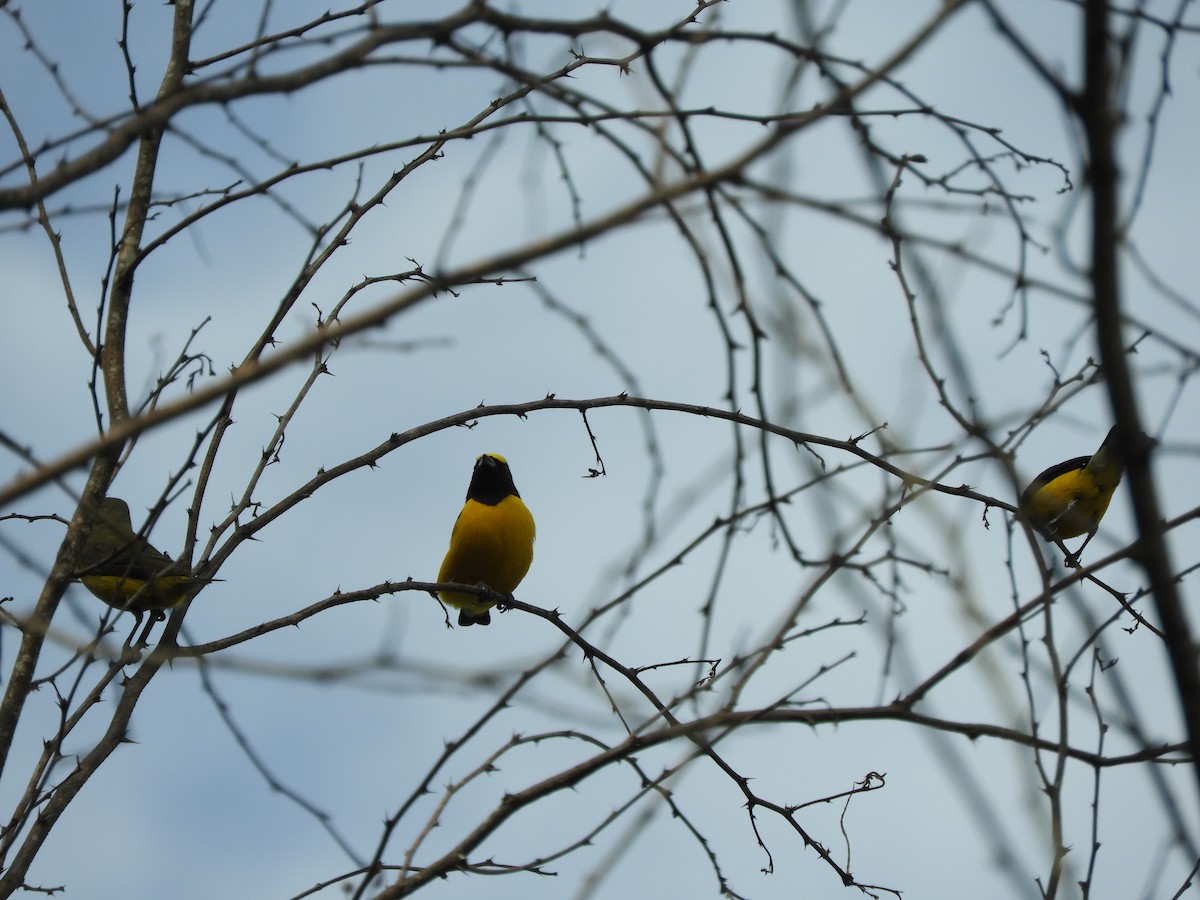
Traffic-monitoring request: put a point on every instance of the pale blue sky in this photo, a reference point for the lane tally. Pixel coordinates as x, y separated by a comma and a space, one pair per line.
182, 807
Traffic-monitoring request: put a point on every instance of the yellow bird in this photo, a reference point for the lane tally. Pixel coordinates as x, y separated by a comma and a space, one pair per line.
120, 567
1070, 499
492, 541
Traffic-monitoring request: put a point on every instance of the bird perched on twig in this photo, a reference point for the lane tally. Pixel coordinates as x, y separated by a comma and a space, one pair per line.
120, 566
492, 540
1070, 499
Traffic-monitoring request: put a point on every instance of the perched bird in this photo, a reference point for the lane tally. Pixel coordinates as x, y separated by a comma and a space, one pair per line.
1070, 499
492, 541
120, 567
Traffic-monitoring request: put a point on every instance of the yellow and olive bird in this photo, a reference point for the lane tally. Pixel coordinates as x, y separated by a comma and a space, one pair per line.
1070, 499
492, 541
120, 567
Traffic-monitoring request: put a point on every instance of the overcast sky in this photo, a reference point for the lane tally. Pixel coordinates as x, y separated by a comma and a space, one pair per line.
182, 810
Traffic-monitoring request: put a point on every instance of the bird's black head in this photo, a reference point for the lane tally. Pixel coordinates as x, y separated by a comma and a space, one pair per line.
491, 481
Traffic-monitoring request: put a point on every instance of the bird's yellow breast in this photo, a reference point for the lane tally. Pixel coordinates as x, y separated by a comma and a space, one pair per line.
129, 593
1070, 504
490, 544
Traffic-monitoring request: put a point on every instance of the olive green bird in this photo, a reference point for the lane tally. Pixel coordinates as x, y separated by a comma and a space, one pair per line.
120, 567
